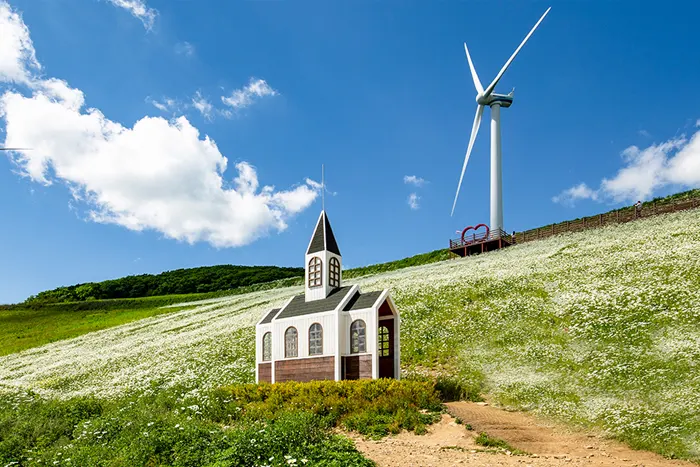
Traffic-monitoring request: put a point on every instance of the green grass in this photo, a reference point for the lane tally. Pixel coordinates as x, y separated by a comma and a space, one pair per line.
596, 328
29, 325
417, 260
484, 439
25, 326
242, 425
151, 302
179, 281
22, 329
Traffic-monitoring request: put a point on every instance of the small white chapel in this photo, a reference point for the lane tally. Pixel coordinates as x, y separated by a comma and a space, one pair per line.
331, 331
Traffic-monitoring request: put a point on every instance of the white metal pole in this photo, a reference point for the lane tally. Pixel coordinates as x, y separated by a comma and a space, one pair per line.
496, 187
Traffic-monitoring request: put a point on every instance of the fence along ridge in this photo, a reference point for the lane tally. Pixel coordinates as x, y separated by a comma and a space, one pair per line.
618, 216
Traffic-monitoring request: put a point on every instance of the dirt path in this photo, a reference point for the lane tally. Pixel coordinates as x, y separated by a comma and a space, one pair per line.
450, 444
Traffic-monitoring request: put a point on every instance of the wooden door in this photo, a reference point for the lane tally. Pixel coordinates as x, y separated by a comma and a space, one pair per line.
385, 348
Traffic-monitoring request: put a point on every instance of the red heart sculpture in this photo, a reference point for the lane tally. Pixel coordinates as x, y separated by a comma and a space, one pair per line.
476, 227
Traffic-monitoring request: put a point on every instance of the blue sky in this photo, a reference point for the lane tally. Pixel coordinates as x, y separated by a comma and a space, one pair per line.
605, 113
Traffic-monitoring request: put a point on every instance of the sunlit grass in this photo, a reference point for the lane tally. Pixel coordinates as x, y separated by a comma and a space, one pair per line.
598, 328
22, 329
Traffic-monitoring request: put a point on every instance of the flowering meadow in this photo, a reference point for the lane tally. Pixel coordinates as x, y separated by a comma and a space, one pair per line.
598, 328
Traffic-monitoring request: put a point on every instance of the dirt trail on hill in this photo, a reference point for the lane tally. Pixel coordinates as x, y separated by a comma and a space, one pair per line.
450, 444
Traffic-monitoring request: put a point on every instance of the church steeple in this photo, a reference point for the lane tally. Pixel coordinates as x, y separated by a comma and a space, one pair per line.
323, 238
323, 261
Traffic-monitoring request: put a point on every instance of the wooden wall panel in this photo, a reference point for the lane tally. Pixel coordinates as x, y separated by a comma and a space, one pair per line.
265, 372
305, 369
385, 310
357, 367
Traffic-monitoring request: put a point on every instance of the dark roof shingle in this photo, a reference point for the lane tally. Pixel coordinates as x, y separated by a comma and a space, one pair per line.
361, 301
270, 315
323, 238
299, 306
331, 244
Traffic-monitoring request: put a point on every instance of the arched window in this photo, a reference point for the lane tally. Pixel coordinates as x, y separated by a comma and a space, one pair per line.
291, 349
315, 339
334, 272
315, 272
383, 349
267, 346
357, 336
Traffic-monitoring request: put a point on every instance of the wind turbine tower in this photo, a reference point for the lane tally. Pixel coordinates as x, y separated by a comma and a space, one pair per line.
487, 97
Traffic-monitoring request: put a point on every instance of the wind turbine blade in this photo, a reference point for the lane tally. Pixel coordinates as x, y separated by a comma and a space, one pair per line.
14, 149
475, 130
491, 87
475, 77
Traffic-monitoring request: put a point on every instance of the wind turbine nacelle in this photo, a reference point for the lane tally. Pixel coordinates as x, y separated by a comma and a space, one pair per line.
504, 100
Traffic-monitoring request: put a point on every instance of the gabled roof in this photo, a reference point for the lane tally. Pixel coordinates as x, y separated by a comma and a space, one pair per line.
323, 238
270, 315
362, 300
299, 306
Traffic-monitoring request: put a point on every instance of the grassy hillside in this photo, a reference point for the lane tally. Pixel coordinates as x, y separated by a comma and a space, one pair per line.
24, 326
177, 282
597, 327
39, 322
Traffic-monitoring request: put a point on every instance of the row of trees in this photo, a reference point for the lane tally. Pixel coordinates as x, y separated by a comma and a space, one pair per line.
179, 281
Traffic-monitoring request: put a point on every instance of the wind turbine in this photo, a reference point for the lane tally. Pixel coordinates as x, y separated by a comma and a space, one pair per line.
486, 97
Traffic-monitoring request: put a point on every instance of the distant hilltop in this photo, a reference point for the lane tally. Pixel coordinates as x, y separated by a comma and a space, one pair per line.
180, 281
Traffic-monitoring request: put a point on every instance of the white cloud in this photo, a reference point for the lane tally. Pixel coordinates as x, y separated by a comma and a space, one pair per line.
167, 104
413, 201
413, 180
138, 10
697, 123
157, 175
185, 48
241, 98
580, 191
314, 184
645, 171
644, 133
17, 55
204, 107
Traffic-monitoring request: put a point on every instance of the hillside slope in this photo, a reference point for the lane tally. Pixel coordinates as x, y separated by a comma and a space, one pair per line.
599, 327
179, 281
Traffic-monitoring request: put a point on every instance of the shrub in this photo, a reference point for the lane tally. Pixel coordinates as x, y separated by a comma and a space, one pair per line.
370, 407
464, 386
243, 424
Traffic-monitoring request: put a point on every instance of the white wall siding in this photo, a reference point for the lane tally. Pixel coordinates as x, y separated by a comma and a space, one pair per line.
302, 324
344, 337
319, 293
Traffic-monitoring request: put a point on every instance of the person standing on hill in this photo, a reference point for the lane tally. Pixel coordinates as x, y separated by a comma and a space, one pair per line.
637, 209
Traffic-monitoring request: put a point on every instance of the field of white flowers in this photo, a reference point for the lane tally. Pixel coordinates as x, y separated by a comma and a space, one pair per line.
600, 327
